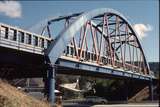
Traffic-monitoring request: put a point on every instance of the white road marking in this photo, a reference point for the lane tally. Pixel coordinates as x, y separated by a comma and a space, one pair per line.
128, 105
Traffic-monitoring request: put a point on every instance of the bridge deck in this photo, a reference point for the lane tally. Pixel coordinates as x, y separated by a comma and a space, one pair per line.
16, 38
22, 48
70, 66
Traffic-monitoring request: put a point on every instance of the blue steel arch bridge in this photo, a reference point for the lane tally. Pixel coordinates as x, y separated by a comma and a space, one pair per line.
99, 42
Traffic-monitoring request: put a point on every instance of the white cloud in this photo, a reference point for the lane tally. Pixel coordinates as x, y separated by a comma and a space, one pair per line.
142, 29
11, 8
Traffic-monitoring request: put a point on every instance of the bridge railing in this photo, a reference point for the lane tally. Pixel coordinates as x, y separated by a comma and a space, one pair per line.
104, 60
16, 38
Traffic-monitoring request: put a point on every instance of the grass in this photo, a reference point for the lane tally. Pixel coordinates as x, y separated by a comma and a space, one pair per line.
12, 97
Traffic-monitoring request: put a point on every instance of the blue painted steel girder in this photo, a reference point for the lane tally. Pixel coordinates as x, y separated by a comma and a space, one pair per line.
90, 68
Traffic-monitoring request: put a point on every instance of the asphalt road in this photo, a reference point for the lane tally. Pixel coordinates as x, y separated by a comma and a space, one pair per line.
128, 105
113, 105
70, 104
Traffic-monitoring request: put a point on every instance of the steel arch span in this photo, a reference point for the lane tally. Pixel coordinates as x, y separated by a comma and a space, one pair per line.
101, 36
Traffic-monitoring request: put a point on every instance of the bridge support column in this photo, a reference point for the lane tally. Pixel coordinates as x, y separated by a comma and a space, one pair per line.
126, 83
151, 90
126, 91
51, 85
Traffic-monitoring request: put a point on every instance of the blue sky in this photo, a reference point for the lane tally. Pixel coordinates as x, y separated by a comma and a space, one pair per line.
144, 12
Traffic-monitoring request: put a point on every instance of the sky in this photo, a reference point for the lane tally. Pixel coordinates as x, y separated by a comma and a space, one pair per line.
143, 15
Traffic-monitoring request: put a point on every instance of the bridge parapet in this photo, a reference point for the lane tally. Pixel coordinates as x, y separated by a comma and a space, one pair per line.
16, 38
